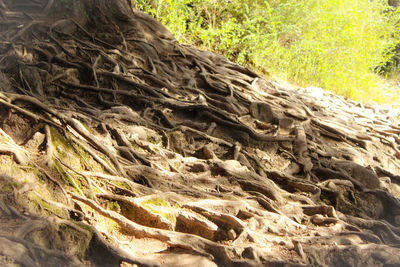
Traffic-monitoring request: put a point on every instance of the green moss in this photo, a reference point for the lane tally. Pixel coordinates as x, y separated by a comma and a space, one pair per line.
85, 227
123, 185
40, 205
114, 205
135, 146
65, 150
64, 175
73, 154
152, 139
170, 217
87, 160
151, 205
10, 186
156, 202
75, 181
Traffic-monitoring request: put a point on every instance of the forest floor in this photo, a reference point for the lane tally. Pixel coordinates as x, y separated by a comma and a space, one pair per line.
121, 147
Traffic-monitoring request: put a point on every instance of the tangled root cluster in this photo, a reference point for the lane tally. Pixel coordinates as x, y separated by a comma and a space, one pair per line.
121, 146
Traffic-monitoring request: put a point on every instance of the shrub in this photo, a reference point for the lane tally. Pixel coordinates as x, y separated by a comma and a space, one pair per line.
333, 44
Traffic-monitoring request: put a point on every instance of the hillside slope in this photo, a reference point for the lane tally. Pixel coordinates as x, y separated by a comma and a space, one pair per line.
120, 146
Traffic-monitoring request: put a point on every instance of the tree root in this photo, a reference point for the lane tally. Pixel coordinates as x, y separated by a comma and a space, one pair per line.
173, 239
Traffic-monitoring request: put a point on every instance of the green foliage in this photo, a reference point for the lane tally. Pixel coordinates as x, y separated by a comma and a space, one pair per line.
334, 44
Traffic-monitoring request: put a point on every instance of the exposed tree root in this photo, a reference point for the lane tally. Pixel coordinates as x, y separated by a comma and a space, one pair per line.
182, 148
174, 239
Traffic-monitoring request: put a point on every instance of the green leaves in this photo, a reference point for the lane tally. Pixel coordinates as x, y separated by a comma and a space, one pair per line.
334, 44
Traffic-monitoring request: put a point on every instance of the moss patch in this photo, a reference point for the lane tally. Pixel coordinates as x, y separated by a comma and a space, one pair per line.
154, 205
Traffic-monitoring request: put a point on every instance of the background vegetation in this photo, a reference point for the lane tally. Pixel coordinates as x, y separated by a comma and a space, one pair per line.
334, 44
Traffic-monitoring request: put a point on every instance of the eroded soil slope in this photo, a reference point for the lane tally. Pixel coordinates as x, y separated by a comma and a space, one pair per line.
120, 146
